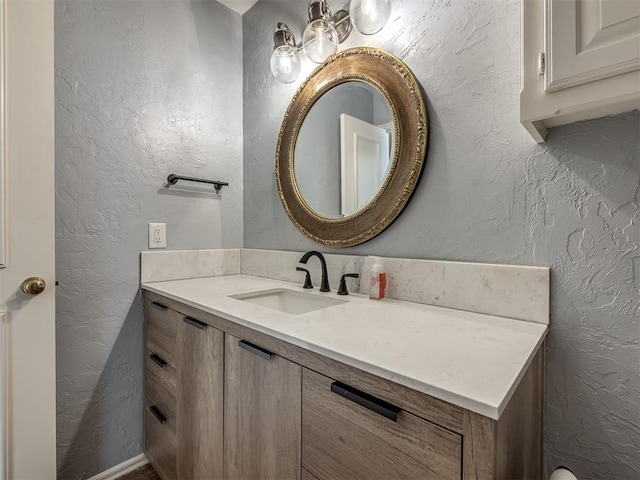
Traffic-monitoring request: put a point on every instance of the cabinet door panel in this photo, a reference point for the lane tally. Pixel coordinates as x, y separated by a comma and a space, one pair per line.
262, 414
345, 438
591, 39
200, 407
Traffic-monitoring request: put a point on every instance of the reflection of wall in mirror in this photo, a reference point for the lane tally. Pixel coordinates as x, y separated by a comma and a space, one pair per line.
382, 118
317, 152
381, 112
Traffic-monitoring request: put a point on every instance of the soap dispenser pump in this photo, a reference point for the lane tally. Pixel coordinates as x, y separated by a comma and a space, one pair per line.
378, 280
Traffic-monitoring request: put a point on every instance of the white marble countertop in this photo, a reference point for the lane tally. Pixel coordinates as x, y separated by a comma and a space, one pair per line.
471, 360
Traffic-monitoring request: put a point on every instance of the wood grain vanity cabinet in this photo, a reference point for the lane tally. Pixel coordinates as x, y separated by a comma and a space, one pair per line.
244, 405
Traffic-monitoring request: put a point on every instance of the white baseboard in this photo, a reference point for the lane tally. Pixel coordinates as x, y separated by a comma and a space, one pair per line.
122, 469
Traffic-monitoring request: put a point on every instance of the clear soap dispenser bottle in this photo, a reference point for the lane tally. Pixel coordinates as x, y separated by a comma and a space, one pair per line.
378, 280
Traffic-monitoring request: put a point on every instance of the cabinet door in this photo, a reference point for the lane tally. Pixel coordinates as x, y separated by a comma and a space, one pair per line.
349, 434
262, 414
200, 397
589, 40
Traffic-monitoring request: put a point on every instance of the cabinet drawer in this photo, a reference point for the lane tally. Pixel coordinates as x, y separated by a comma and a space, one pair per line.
160, 444
160, 384
343, 439
161, 324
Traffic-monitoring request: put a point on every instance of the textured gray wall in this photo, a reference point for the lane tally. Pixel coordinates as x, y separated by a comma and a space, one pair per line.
143, 89
489, 194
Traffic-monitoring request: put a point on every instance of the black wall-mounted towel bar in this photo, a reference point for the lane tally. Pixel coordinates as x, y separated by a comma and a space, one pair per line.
173, 179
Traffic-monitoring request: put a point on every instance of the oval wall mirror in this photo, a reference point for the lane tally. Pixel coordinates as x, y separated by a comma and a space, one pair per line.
352, 146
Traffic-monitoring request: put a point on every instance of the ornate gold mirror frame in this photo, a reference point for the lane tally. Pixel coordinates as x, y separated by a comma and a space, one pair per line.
391, 77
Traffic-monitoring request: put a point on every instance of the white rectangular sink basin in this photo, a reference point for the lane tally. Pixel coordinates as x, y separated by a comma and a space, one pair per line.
288, 301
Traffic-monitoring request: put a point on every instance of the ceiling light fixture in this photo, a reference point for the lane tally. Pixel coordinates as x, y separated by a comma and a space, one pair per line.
285, 62
369, 16
324, 32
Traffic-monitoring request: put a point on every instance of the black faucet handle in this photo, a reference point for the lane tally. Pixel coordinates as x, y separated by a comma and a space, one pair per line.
342, 290
307, 278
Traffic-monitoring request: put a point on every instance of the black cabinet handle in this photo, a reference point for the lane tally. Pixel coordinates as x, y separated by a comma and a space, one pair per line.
261, 352
195, 323
158, 360
158, 414
159, 306
367, 401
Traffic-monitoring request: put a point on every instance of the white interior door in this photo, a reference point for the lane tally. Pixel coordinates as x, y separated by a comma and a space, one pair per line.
591, 39
364, 162
27, 322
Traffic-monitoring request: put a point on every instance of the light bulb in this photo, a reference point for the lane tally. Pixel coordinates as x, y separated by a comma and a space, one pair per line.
285, 64
320, 40
369, 16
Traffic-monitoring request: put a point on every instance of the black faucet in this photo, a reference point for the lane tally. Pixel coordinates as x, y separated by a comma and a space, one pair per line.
324, 287
307, 278
343, 284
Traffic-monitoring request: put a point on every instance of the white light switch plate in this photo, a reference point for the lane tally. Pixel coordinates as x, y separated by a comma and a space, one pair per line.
157, 235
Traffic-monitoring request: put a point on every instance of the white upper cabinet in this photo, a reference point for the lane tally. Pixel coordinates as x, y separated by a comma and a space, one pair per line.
588, 40
581, 60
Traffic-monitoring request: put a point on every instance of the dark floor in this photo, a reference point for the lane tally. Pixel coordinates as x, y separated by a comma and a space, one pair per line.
143, 473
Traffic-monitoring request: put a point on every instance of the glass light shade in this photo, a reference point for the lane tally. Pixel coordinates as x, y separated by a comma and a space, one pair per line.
285, 64
369, 16
320, 40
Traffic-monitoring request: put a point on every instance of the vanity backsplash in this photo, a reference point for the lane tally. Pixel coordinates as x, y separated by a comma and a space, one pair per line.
518, 292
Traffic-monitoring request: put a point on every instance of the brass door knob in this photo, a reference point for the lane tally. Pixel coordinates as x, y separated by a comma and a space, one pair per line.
33, 286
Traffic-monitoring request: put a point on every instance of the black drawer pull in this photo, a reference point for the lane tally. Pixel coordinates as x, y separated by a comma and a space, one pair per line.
368, 401
159, 306
158, 360
158, 414
195, 323
261, 352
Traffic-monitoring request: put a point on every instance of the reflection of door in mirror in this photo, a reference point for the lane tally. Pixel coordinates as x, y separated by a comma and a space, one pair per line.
364, 162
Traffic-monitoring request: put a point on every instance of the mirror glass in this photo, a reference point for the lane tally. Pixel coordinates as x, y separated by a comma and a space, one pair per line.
344, 149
